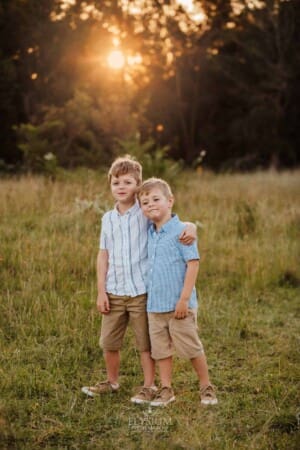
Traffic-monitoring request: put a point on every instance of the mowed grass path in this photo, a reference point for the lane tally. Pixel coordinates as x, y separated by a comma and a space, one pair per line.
248, 285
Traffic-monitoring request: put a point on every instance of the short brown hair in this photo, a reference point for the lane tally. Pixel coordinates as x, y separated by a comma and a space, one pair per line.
123, 165
152, 183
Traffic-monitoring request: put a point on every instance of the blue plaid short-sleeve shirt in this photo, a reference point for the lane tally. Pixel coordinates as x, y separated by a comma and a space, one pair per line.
167, 259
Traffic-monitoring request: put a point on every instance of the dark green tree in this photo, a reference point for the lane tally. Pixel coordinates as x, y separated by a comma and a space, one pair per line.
227, 84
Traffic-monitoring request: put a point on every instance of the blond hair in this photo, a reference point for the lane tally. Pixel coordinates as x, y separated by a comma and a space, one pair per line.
126, 165
152, 183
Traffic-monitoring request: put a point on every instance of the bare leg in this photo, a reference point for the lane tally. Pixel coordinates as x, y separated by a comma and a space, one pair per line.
112, 362
200, 365
165, 371
148, 365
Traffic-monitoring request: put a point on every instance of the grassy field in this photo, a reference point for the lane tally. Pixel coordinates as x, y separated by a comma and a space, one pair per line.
248, 227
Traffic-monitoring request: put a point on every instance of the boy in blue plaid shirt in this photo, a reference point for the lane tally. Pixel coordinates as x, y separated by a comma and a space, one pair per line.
172, 301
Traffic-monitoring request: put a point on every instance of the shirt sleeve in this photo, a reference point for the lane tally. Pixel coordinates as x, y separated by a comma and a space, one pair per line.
189, 252
103, 238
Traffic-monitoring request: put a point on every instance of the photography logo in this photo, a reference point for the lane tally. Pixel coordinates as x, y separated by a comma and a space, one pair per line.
150, 421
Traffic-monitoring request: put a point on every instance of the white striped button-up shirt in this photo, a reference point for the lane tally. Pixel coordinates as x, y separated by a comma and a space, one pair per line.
124, 236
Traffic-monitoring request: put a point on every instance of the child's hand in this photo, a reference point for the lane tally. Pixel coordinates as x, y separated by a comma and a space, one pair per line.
189, 234
181, 310
103, 303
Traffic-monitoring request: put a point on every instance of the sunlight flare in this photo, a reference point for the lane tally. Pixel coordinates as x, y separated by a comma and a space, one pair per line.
116, 60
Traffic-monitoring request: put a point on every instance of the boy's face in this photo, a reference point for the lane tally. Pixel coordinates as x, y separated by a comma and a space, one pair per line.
123, 188
156, 206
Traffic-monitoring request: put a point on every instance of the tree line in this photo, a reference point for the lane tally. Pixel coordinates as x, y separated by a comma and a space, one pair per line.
223, 91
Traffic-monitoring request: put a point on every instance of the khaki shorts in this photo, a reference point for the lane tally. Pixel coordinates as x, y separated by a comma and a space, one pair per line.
124, 310
168, 335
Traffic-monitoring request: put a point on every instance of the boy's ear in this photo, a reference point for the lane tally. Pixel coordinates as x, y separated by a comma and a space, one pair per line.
171, 202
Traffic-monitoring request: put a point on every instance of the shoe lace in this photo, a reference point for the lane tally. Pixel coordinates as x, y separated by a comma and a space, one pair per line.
161, 392
103, 383
144, 390
208, 391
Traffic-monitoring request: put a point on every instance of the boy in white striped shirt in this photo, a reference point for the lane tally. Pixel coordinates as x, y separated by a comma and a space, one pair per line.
121, 276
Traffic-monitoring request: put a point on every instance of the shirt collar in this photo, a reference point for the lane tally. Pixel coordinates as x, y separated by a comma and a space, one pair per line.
130, 211
168, 226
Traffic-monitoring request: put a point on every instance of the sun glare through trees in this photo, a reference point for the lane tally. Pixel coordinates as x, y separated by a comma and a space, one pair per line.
218, 76
116, 59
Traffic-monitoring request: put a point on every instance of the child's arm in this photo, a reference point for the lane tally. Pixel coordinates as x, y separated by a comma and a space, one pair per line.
189, 234
181, 309
102, 266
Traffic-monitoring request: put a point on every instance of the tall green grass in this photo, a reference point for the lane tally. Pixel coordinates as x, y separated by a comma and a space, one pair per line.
248, 285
